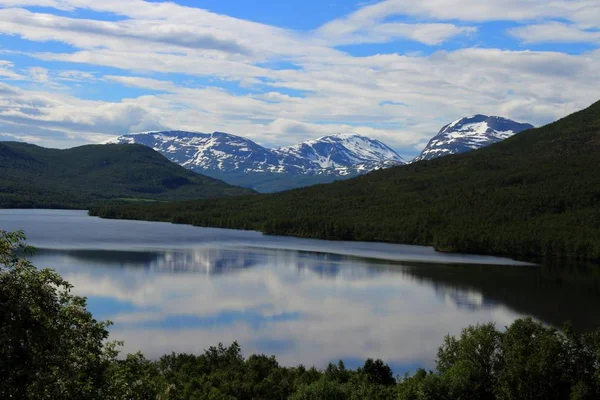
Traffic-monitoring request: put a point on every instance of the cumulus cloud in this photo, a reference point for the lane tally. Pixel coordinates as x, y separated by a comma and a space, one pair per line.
347, 96
555, 32
85, 33
161, 27
58, 116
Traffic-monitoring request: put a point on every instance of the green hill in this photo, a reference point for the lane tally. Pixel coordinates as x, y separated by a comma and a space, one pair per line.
33, 176
535, 194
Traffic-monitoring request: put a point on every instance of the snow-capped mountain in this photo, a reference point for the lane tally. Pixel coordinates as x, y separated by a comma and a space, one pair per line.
342, 154
207, 151
228, 157
470, 133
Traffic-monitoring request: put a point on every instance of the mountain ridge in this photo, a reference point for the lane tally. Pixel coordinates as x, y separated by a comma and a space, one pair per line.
241, 161
470, 133
34, 176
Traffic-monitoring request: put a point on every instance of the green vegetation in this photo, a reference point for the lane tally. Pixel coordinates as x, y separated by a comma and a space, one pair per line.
52, 348
535, 194
32, 176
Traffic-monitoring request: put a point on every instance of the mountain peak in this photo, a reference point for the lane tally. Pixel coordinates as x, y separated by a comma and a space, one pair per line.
343, 135
219, 154
471, 133
343, 150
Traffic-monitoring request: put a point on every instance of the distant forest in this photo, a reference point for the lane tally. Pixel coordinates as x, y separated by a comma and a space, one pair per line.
33, 176
535, 194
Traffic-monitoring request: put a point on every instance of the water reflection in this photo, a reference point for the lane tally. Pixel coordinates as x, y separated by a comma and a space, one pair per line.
468, 299
211, 261
552, 293
305, 307
215, 261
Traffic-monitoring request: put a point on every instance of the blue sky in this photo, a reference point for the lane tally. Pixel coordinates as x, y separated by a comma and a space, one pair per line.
81, 71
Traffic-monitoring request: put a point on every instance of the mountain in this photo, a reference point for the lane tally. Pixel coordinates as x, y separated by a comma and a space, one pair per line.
242, 162
33, 176
470, 133
341, 155
534, 194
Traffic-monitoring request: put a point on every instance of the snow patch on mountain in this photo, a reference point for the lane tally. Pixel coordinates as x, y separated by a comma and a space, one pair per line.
470, 133
336, 155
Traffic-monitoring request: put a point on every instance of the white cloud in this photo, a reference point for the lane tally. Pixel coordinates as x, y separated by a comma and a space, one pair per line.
61, 117
117, 35
75, 76
160, 27
344, 96
346, 32
586, 12
555, 32
38, 74
7, 71
145, 83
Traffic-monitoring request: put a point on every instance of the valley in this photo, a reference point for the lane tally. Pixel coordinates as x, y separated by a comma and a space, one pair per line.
517, 198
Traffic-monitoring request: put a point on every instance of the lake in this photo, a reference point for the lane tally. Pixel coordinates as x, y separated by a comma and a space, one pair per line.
181, 288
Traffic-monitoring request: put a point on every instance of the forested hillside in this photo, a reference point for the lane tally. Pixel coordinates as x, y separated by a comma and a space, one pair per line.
33, 176
535, 194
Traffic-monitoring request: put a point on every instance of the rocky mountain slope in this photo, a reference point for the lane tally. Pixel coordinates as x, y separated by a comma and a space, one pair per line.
470, 133
242, 162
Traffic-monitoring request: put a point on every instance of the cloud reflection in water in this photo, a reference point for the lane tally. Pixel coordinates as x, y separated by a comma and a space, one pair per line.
305, 307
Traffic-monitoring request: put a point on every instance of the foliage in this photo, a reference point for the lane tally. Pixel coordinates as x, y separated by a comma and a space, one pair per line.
32, 176
527, 361
50, 346
535, 194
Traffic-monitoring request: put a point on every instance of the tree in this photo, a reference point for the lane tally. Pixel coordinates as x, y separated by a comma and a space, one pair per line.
338, 372
468, 364
50, 346
540, 364
527, 361
377, 372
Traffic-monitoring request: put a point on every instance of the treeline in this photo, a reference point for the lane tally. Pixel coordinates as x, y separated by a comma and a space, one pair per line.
526, 361
535, 194
52, 348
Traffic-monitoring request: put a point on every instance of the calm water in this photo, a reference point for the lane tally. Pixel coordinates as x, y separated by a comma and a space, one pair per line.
179, 288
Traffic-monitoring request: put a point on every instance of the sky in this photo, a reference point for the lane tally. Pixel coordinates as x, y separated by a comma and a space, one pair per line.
74, 72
